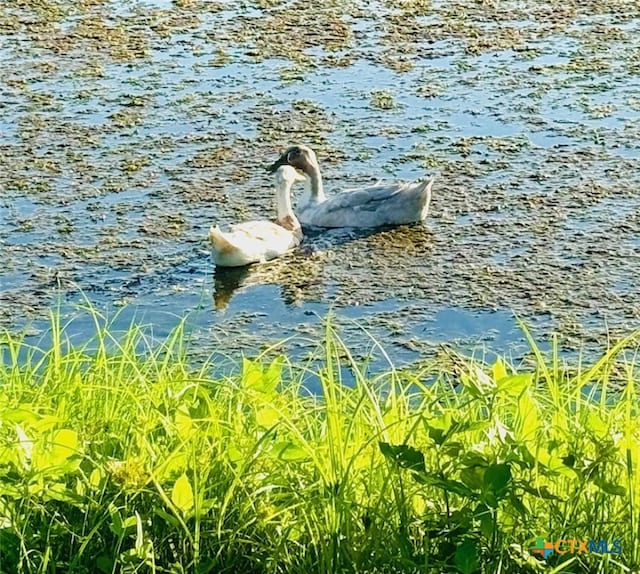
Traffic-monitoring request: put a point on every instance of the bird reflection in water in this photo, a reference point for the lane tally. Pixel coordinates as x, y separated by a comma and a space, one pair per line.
356, 259
298, 275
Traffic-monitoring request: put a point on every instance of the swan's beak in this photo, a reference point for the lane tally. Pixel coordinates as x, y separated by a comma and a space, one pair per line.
282, 160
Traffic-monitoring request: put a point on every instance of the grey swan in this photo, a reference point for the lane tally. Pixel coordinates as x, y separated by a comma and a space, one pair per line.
371, 206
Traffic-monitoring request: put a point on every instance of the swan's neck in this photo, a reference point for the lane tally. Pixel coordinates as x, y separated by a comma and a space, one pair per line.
317, 189
285, 215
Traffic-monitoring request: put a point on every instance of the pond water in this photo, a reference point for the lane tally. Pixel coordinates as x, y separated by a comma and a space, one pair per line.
128, 128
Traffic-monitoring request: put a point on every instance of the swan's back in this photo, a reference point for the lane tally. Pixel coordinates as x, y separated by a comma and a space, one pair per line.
250, 242
258, 241
372, 206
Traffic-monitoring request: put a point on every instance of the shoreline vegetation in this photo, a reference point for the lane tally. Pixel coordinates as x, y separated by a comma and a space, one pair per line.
118, 455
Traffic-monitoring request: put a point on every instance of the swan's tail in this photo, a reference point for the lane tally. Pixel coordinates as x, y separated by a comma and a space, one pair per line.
220, 243
425, 191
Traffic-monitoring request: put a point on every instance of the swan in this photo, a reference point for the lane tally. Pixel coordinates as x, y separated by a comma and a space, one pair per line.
379, 204
259, 241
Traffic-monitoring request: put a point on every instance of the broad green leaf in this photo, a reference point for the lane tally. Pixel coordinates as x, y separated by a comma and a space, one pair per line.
497, 479
182, 494
115, 525
19, 414
267, 416
104, 563
527, 422
472, 458
485, 516
184, 423
273, 374
452, 486
251, 374
610, 487
168, 518
515, 385
234, 453
466, 557
65, 445
288, 451
59, 491
95, 478
175, 463
404, 456
597, 425
539, 491
518, 504
439, 427
473, 477
256, 378
130, 522
555, 463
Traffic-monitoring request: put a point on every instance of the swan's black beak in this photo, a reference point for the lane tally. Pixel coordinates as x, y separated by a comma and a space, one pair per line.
282, 160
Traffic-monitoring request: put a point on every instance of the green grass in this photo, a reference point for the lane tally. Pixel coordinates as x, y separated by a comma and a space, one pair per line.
118, 456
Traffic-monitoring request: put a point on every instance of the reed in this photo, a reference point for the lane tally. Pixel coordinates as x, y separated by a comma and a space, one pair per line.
117, 455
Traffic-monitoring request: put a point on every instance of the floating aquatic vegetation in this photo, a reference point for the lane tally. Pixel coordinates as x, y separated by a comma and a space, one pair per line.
121, 116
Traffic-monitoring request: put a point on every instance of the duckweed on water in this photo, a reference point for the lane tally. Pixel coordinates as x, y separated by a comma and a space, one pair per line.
117, 455
123, 113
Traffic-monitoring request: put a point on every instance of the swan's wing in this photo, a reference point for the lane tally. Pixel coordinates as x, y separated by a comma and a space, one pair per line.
386, 204
257, 230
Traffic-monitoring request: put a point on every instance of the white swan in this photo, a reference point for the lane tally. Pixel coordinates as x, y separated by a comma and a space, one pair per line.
259, 241
379, 204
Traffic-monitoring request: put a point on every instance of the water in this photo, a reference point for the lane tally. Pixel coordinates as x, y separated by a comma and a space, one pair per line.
129, 128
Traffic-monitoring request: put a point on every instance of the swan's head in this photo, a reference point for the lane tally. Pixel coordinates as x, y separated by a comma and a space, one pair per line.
299, 156
286, 176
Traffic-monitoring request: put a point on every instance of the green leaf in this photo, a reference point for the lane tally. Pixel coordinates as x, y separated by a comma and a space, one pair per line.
104, 563
251, 374
466, 557
95, 478
439, 427
610, 487
597, 425
527, 421
499, 370
182, 494
115, 525
515, 385
267, 416
497, 478
168, 518
451, 486
473, 477
65, 445
540, 491
273, 374
486, 517
518, 505
184, 423
495, 484
262, 380
288, 451
404, 456
473, 458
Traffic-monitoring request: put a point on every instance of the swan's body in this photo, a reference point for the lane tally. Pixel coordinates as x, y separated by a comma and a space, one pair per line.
380, 204
259, 241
